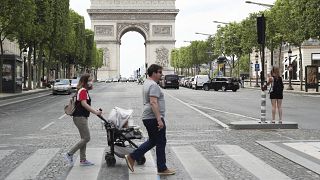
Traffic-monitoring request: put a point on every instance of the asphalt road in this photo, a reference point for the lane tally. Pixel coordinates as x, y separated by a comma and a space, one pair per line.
192, 116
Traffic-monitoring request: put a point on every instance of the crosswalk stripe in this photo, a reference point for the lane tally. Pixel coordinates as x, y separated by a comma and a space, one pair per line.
31, 167
148, 171
4, 153
253, 164
87, 172
195, 164
310, 148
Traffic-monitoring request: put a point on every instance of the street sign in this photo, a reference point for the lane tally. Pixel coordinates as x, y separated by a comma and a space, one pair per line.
257, 67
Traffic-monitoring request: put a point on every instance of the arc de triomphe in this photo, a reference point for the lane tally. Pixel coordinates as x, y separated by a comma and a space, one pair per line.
153, 19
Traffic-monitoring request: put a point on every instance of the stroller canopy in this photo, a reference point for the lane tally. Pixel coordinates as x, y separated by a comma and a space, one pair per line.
120, 116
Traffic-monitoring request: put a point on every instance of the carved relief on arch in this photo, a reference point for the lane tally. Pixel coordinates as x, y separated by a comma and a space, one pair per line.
162, 56
106, 58
144, 28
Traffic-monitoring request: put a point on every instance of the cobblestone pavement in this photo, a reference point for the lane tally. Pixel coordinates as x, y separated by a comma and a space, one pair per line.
24, 132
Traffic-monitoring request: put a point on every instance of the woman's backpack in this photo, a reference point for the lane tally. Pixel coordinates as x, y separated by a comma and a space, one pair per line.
71, 106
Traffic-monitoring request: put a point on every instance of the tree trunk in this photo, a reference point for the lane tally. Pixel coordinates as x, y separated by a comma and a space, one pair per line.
279, 59
29, 67
301, 69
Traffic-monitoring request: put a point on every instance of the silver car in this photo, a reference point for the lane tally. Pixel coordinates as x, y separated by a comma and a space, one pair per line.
61, 86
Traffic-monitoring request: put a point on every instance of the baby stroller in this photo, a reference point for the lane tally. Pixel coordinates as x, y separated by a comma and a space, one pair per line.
120, 135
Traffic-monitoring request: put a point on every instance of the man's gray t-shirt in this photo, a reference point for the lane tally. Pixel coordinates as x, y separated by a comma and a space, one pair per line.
151, 88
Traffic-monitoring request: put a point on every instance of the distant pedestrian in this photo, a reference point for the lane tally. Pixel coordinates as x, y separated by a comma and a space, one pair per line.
80, 119
153, 119
276, 92
242, 81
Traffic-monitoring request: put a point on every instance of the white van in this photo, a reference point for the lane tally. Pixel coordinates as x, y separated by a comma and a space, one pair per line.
199, 80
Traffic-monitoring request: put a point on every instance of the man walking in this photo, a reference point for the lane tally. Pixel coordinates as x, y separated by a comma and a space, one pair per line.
153, 119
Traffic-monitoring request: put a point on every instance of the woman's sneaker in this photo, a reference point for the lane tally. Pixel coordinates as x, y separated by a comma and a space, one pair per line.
69, 159
86, 163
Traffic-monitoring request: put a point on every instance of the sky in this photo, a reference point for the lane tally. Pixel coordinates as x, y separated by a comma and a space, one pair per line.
194, 16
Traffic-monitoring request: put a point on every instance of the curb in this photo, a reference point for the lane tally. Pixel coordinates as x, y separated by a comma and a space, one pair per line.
11, 96
288, 91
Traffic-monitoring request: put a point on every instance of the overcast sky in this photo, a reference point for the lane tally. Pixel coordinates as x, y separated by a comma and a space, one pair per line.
194, 16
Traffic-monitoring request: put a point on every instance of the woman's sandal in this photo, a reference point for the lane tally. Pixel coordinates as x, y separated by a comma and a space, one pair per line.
273, 122
280, 122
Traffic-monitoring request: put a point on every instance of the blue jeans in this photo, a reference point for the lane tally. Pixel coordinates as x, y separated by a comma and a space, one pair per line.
156, 138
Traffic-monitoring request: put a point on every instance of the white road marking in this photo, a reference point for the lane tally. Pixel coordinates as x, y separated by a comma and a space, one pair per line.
310, 148
31, 167
46, 126
78, 172
62, 116
198, 167
225, 112
311, 165
4, 153
148, 171
201, 112
253, 164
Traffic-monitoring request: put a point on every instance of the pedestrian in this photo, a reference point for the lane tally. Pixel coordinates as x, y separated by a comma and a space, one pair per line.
276, 93
80, 119
242, 81
153, 119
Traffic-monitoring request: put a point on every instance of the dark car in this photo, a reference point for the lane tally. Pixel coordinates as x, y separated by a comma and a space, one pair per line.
223, 83
170, 81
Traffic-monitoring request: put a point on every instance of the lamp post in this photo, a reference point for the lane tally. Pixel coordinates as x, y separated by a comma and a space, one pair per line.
209, 52
260, 4
25, 69
256, 69
290, 69
220, 22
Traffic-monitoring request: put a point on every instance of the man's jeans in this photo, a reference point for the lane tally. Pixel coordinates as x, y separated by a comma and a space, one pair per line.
156, 138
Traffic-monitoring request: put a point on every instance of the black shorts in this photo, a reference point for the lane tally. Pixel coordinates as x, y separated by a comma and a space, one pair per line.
276, 95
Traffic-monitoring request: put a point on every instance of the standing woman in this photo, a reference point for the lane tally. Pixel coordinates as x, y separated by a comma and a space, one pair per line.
80, 119
276, 93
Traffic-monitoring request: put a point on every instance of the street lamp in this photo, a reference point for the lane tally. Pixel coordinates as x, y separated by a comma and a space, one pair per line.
256, 69
25, 69
260, 4
204, 34
209, 52
220, 22
290, 69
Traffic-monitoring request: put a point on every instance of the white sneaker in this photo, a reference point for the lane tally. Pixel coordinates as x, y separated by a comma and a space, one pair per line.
69, 159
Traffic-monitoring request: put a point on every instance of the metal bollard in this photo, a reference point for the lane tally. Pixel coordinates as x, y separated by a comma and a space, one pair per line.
263, 107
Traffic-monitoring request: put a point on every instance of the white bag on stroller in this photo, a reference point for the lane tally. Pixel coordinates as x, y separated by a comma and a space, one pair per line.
120, 117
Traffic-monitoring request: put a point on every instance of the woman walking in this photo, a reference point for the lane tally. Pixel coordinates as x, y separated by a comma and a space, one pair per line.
80, 119
276, 93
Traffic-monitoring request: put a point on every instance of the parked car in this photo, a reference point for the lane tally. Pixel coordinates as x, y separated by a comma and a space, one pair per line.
223, 83
74, 83
170, 81
109, 80
189, 82
185, 81
199, 80
61, 86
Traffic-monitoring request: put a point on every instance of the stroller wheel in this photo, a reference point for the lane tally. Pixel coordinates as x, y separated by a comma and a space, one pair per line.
110, 160
141, 161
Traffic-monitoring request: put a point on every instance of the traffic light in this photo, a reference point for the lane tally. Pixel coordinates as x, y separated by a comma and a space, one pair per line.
261, 29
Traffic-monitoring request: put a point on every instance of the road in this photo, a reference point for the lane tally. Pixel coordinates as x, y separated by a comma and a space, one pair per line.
35, 133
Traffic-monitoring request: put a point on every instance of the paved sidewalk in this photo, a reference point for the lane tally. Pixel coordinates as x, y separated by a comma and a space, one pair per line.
23, 93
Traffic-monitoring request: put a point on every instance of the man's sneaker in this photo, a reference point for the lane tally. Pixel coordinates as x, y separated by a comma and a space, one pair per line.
130, 162
69, 159
86, 163
167, 172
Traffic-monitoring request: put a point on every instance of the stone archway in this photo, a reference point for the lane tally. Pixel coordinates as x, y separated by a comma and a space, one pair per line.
153, 19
